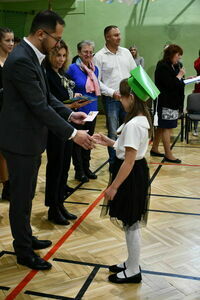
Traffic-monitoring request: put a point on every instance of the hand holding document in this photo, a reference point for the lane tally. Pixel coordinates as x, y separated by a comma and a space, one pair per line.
91, 116
191, 80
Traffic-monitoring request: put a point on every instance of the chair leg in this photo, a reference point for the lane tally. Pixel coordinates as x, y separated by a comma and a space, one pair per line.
182, 128
188, 130
185, 127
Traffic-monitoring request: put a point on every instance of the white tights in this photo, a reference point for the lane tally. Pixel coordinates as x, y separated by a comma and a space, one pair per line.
132, 234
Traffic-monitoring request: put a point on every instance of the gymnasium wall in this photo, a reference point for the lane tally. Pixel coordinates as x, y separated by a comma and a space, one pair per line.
149, 25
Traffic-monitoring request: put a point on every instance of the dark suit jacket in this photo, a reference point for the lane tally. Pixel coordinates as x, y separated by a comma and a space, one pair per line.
29, 109
171, 88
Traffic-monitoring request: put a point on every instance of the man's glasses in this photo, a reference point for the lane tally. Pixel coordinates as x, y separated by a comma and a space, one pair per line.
56, 39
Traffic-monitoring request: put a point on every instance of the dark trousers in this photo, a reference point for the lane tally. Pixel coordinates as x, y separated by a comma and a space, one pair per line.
23, 171
59, 158
81, 157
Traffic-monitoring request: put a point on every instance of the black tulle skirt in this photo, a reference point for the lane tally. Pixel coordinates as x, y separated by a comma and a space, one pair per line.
131, 202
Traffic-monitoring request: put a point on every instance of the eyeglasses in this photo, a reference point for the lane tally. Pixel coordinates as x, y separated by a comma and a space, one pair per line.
56, 39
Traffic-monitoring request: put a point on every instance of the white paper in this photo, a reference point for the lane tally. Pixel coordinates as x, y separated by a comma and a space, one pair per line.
191, 80
91, 116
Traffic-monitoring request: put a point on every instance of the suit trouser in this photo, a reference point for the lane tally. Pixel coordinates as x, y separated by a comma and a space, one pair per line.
59, 158
23, 171
81, 157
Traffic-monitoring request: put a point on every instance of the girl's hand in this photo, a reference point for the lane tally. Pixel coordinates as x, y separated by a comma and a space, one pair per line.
110, 193
103, 140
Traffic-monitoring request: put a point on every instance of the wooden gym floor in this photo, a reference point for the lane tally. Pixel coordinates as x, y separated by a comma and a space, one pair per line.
81, 252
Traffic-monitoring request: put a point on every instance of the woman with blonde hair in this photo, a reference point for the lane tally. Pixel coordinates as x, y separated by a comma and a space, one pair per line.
139, 60
58, 152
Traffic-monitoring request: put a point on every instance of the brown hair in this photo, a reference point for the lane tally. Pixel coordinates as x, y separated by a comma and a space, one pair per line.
3, 31
55, 51
138, 107
170, 51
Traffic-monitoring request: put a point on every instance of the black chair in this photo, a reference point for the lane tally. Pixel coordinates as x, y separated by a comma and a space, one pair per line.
181, 117
193, 113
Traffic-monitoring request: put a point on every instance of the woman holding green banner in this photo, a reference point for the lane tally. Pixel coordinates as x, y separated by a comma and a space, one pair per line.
127, 197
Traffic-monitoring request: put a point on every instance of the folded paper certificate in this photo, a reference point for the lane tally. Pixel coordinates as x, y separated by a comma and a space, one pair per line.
91, 116
191, 80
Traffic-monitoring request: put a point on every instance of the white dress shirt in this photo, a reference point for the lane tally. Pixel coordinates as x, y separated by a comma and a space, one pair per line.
39, 55
113, 67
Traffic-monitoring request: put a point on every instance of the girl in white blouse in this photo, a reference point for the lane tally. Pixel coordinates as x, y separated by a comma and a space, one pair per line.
128, 194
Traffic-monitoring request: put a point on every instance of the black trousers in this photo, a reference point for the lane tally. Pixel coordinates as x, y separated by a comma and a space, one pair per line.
23, 171
81, 157
59, 157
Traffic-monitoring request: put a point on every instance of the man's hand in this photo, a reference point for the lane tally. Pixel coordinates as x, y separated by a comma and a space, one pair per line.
116, 95
83, 139
78, 117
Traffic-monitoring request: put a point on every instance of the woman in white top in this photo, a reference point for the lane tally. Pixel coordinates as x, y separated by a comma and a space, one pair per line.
128, 193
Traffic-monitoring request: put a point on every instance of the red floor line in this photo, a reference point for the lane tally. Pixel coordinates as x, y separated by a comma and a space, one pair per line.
32, 273
172, 164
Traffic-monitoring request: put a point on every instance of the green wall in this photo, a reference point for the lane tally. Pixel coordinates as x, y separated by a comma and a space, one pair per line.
149, 25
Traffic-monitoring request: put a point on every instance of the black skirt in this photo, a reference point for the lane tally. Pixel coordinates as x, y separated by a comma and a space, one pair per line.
164, 123
131, 202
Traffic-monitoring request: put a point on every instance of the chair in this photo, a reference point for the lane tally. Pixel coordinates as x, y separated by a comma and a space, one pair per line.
181, 117
193, 113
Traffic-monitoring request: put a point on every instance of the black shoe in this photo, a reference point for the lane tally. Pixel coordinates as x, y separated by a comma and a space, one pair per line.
40, 244
34, 262
66, 214
90, 174
81, 177
116, 269
133, 279
153, 153
174, 161
6, 191
56, 216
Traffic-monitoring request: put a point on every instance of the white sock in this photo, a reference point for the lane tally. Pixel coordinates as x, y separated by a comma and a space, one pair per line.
133, 246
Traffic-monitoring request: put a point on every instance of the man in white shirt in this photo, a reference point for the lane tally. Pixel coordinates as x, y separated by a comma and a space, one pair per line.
114, 64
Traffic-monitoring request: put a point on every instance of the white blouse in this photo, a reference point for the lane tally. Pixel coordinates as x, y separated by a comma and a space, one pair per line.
134, 134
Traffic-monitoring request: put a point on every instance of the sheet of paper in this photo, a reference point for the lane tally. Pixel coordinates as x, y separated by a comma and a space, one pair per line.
191, 80
91, 116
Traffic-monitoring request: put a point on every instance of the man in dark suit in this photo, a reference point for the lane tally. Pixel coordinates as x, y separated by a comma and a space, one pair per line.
29, 110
